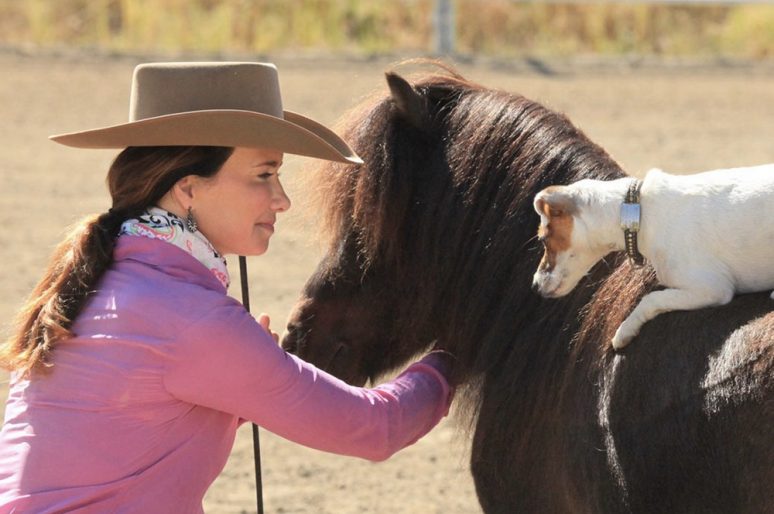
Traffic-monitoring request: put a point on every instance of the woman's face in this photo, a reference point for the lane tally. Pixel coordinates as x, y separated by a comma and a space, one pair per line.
237, 207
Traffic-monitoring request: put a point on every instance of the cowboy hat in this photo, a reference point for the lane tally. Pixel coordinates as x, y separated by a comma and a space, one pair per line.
212, 104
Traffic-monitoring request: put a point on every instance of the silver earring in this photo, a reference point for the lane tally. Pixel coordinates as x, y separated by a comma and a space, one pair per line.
190, 222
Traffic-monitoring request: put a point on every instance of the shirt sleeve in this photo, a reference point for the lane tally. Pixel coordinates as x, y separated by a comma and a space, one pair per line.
228, 362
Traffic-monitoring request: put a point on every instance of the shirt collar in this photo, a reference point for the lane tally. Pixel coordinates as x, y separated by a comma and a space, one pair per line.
157, 223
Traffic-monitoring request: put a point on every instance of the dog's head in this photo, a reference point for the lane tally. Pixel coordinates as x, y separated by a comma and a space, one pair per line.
564, 230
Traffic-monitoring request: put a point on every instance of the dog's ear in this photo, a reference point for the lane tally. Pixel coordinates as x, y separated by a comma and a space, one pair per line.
554, 202
411, 105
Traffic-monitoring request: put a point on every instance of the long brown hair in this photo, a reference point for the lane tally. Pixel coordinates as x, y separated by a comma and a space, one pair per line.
138, 178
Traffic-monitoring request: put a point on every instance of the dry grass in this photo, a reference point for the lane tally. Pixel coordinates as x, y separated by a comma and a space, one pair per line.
501, 28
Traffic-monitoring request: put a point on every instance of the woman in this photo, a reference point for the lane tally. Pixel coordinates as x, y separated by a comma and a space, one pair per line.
132, 368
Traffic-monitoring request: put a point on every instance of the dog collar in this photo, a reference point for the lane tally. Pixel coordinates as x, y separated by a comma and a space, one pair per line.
630, 221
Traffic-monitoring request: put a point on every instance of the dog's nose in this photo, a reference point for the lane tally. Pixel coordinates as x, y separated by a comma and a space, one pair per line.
535, 286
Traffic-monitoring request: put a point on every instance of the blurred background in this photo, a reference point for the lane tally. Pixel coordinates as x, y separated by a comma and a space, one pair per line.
686, 86
489, 28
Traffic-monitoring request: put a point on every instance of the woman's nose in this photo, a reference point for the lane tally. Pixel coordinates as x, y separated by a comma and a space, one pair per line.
280, 200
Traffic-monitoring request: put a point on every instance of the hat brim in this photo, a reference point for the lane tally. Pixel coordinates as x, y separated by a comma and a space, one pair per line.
295, 134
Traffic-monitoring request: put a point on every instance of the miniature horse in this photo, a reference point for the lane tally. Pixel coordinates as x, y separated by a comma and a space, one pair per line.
432, 244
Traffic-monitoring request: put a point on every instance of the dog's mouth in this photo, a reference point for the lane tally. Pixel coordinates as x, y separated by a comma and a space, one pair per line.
554, 292
545, 287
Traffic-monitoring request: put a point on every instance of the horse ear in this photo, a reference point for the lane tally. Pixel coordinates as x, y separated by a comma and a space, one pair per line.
409, 102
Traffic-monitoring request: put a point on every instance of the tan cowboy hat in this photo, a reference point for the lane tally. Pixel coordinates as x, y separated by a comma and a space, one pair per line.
213, 104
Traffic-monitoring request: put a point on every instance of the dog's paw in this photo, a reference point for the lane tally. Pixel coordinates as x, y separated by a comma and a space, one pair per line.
624, 335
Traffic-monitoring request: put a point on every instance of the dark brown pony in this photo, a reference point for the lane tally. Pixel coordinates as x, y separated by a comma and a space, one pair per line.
433, 243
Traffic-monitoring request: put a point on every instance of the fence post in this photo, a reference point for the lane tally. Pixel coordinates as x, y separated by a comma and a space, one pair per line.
443, 22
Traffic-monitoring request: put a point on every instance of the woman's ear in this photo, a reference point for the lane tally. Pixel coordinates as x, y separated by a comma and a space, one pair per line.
182, 191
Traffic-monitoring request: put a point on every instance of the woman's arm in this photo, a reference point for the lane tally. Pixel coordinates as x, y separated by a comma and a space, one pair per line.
227, 361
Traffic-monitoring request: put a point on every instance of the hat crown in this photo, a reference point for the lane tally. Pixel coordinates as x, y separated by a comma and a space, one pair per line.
160, 89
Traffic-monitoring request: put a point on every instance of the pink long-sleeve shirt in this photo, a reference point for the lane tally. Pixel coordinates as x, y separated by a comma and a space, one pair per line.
140, 409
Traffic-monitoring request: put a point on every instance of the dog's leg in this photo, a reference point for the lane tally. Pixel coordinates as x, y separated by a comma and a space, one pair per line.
653, 304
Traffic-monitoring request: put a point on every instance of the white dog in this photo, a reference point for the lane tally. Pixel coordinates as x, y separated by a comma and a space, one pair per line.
707, 236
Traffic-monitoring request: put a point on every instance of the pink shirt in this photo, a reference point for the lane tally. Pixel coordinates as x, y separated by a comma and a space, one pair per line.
141, 407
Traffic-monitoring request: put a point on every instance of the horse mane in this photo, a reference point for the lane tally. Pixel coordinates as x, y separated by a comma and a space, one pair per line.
343, 193
456, 183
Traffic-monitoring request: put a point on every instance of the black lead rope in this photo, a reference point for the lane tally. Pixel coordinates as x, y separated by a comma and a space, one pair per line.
256, 441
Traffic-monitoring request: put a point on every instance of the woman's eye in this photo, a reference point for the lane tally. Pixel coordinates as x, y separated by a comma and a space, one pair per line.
265, 175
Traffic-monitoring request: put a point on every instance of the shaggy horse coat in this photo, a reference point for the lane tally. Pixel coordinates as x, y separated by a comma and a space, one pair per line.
432, 242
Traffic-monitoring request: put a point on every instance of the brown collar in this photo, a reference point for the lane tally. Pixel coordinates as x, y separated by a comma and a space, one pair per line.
630, 221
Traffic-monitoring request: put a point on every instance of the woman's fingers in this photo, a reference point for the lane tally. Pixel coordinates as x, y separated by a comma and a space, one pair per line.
265, 321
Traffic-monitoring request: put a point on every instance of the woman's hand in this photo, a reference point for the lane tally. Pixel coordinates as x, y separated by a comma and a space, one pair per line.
446, 363
264, 321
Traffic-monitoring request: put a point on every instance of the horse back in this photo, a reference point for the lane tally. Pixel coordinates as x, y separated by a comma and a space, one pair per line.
687, 410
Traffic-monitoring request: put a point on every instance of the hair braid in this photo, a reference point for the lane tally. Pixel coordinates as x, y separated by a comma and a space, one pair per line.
137, 179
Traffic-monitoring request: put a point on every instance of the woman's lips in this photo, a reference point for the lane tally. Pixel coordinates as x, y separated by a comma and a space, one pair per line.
267, 226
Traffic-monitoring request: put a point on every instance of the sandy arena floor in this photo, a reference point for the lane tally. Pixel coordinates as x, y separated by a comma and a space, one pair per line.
680, 119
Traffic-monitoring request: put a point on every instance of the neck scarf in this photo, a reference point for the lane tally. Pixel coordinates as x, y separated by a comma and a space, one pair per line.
157, 223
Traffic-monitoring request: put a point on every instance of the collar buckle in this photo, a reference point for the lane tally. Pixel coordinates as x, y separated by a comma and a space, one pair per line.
631, 214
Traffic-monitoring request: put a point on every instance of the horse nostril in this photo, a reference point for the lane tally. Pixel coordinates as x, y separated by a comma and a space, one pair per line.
289, 344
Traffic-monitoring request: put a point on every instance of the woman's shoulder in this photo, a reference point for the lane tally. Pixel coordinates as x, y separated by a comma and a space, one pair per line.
156, 257
154, 285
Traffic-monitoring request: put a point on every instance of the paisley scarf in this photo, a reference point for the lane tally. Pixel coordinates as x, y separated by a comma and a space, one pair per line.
157, 223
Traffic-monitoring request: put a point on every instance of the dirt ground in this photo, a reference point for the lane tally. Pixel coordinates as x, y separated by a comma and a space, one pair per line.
679, 118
